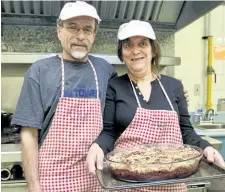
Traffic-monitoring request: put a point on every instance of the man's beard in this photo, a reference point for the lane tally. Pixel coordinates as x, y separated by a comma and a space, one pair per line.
79, 54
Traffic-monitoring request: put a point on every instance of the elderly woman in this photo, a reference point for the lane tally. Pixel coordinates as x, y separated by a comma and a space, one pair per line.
140, 95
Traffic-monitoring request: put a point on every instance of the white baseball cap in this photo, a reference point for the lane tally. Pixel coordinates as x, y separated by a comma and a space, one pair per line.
78, 8
136, 28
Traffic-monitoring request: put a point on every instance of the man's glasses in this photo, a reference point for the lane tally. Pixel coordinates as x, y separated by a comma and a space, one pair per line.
74, 30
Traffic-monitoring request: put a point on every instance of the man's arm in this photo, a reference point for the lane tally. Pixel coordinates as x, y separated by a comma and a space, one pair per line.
29, 114
29, 145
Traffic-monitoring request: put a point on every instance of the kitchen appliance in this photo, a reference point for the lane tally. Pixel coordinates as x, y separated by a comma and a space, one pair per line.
5, 119
9, 133
12, 176
11, 155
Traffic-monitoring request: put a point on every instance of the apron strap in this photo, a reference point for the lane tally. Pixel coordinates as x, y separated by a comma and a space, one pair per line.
96, 77
47, 122
63, 77
166, 95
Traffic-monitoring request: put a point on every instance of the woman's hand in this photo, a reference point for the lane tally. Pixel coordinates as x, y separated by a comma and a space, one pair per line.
95, 157
213, 156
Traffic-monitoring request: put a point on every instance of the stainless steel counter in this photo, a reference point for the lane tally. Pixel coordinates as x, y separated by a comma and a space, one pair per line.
10, 153
13, 186
210, 132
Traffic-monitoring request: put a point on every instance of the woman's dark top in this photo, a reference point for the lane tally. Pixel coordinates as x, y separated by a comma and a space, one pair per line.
121, 105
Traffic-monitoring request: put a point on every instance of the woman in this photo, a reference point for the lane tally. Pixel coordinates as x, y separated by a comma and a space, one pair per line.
142, 93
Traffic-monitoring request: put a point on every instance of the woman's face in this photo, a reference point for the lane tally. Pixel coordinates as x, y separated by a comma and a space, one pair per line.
137, 54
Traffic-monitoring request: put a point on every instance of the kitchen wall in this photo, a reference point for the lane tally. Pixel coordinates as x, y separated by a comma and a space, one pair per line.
193, 52
44, 39
186, 43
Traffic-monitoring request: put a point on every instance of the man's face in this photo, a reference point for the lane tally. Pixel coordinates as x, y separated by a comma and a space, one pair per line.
77, 36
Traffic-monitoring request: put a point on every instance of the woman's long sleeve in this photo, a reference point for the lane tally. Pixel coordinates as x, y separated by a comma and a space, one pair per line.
109, 134
188, 133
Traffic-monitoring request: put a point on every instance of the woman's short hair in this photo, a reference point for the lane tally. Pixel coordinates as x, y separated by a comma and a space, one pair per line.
155, 52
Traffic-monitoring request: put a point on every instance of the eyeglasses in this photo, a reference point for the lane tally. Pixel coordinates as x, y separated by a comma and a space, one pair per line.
74, 30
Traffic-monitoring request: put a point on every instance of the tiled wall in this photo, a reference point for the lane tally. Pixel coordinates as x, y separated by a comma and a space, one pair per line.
44, 39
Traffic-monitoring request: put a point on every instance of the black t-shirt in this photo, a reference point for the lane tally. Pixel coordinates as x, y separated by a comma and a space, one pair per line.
121, 106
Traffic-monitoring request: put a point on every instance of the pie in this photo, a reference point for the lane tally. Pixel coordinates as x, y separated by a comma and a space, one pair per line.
154, 162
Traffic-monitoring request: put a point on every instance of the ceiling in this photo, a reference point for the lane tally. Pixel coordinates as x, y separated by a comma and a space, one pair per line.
163, 15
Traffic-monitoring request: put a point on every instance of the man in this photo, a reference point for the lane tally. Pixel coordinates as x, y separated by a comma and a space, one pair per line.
60, 107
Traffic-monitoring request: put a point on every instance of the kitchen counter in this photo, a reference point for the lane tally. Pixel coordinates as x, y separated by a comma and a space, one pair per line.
218, 134
210, 132
10, 153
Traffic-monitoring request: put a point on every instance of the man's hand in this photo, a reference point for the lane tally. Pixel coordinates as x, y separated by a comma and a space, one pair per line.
213, 156
185, 93
95, 157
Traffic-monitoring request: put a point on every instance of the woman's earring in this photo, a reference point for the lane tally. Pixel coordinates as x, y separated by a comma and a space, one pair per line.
153, 61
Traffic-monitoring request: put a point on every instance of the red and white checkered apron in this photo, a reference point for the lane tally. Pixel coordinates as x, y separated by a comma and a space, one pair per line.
153, 126
76, 124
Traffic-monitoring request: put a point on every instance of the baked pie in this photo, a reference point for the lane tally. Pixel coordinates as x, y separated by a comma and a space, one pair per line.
154, 162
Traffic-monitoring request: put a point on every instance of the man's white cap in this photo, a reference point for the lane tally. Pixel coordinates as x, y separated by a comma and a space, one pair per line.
78, 8
136, 28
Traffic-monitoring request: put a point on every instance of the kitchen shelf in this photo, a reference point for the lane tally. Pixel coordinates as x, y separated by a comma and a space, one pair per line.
29, 58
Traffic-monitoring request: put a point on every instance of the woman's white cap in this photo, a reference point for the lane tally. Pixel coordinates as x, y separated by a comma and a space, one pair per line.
136, 28
78, 8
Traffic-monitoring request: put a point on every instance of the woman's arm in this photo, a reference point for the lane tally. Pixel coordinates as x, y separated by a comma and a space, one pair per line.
109, 134
189, 135
105, 141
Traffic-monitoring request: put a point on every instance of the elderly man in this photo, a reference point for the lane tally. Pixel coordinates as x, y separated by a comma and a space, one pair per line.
60, 107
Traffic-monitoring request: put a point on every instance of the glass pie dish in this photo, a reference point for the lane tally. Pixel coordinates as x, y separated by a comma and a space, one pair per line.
151, 162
